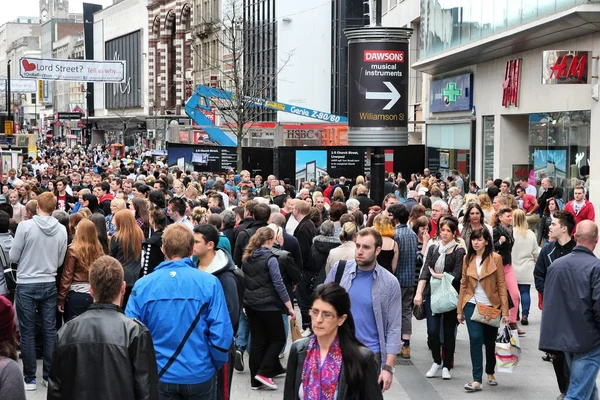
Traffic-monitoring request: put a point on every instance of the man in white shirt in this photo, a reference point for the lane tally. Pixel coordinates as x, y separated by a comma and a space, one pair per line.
529, 189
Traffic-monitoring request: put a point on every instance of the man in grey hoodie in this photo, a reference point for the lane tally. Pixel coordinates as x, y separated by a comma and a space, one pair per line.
39, 247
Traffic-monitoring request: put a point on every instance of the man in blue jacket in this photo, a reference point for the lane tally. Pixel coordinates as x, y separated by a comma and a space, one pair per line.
571, 317
186, 312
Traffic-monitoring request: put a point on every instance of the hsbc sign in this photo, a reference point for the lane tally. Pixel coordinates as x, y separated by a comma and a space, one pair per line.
383, 56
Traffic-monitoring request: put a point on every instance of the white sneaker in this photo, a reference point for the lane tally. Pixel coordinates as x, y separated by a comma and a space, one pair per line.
446, 374
31, 385
433, 370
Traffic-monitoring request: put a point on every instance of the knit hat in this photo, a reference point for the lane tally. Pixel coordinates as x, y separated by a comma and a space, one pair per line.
7, 319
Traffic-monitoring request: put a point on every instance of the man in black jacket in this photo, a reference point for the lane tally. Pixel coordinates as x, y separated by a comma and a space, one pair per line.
261, 213
305, 233
571, 317
117, 352
363, 199
560, 232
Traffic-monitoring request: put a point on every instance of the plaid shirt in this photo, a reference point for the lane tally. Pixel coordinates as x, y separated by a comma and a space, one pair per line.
407, 257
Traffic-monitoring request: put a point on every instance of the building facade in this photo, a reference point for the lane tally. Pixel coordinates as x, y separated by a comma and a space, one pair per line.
512, 91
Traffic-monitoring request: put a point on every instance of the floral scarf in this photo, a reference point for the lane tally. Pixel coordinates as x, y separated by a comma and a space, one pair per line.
320, 382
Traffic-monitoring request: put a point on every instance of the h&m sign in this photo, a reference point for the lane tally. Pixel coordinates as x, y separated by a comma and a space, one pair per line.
565, 67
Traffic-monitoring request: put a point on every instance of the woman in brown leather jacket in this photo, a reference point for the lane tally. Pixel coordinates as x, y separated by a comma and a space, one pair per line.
74, 297
332, 363
482, 283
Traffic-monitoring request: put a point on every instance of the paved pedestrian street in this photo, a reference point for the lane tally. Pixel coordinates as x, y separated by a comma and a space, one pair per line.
532, 379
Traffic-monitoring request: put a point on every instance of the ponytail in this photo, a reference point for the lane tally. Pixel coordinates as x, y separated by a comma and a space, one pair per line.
257, 240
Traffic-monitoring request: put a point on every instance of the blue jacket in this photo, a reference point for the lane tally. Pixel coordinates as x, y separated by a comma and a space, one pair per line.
167, 301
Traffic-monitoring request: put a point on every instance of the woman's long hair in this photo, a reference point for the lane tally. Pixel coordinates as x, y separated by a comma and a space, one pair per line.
86, 246
489, 247
402, 188
257, 241
128, 234
467, 216
520, 224
74, 220
338, 195
547, 210
355, 365
92, 203
100, 224
349, 231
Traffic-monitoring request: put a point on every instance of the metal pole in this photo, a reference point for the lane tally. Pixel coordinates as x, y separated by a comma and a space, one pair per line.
8, 94
378, 12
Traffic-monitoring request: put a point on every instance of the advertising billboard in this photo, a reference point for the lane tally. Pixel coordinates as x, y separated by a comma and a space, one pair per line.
71, 70
127, 49
378, 84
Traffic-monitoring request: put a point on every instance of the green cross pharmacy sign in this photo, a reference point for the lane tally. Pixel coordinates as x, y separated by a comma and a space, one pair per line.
451, 94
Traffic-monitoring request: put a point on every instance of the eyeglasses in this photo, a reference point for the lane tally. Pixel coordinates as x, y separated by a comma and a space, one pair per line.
327, 316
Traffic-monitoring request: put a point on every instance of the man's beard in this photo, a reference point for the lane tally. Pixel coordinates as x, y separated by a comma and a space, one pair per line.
366, 262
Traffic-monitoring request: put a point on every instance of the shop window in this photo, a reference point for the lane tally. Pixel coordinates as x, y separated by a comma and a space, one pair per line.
559, 148
449, 148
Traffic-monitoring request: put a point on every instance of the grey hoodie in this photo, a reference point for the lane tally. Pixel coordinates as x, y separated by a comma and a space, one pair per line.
39, 247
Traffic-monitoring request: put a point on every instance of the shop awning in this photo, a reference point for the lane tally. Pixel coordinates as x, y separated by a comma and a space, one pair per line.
569, 24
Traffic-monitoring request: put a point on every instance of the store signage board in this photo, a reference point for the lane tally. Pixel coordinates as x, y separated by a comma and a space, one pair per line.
451, 94
378, 84
19, 85
72, 70
510, 86
561, 67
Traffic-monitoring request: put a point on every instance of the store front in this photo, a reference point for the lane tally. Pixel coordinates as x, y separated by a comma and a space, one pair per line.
449, 148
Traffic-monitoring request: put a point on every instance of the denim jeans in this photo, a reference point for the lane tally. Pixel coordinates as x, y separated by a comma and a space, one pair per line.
584, 370
199, 391
242, 339
480, 335
525, 299
76, 304
40, 297
286, 328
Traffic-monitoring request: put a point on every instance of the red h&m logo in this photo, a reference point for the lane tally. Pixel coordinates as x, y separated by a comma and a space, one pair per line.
395, 56
570, 68
510, 86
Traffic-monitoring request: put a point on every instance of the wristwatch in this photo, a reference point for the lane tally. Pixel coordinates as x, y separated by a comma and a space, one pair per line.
389, 368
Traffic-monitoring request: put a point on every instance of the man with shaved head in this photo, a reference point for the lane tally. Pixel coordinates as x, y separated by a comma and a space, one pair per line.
571, 315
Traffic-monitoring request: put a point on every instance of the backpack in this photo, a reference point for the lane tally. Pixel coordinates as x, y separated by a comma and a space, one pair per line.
340, 271
287, 264
239, 280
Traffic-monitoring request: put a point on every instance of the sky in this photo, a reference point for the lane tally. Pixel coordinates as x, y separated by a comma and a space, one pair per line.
30, 8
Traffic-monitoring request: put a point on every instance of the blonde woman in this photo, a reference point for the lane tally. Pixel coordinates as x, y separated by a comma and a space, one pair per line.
388, 257
19, 211
199, 216
360, 180
486, 206
455, 200
347, 250
525, 252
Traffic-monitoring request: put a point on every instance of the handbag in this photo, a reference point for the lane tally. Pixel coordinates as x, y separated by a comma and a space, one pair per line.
296, 334
419, 312
444, 297
10, 274
487, 315
508, 350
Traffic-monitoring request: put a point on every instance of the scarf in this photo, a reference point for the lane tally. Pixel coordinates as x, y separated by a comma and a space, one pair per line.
440, 264
320, 382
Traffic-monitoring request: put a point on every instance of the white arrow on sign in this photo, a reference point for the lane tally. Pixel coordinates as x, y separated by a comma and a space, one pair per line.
393, 95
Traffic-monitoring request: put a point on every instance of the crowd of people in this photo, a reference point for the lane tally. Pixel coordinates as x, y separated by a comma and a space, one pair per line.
181, 277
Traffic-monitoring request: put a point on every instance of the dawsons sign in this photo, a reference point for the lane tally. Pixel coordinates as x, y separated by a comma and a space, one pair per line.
127, 94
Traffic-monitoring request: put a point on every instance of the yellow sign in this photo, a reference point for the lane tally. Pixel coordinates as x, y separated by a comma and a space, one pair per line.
40, 93
8, 127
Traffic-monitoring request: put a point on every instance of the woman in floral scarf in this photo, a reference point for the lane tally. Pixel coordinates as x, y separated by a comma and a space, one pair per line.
331, 364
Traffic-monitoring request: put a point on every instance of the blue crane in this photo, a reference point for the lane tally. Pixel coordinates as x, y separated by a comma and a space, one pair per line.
200, 101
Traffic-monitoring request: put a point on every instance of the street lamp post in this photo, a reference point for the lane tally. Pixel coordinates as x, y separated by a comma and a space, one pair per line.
8, 94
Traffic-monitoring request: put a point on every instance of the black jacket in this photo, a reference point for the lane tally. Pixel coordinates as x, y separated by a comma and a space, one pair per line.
503, 249
321, 247
243, 238
259, 290
222, 267
152, 253
69, 200
305, 233
103, 355
544, 229
370, 389
290, 272
131, 266
365, 203
290, 244
571, 317
548, 254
